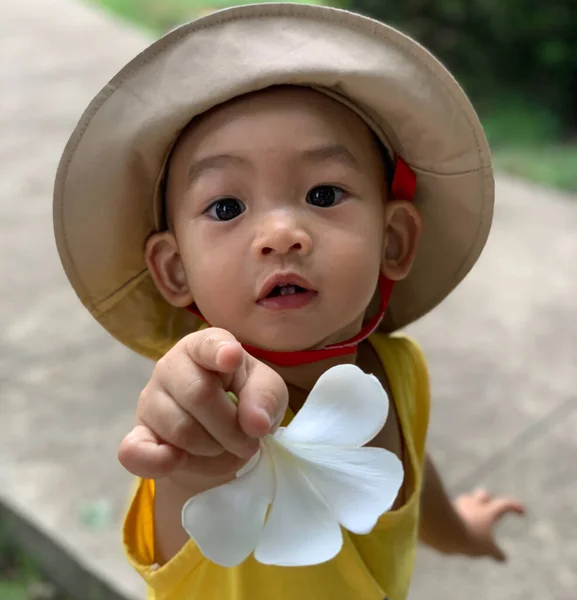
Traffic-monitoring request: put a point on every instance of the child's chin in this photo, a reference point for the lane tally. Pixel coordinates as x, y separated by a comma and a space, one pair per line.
291, 343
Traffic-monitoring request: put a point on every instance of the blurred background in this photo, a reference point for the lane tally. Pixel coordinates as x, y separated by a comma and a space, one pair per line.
502, 349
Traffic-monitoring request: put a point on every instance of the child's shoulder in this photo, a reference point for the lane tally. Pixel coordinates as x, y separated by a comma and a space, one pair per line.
399, 364
402, 369
399, 349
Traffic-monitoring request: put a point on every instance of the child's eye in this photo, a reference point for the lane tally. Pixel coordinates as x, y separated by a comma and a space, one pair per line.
225, 209
325, 196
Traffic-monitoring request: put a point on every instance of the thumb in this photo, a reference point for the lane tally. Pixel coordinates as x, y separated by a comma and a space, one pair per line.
262, 398
143, 454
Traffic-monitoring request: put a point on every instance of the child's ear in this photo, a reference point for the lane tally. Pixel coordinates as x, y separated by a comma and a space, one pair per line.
167, 270
403, 225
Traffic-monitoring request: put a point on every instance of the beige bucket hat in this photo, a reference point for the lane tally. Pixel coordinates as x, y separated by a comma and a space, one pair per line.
107, 198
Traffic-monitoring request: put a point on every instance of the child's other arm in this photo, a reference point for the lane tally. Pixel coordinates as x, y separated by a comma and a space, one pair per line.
465, 526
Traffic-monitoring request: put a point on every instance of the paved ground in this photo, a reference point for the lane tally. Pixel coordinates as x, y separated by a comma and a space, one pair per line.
503, 350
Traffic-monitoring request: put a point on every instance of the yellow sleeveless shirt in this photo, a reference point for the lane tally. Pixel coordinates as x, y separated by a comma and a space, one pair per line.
375, 566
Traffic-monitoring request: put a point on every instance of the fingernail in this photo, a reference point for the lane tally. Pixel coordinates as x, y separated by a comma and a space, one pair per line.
267, 417
220, 348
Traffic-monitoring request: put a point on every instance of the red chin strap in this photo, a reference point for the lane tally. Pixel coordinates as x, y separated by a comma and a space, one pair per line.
402, 188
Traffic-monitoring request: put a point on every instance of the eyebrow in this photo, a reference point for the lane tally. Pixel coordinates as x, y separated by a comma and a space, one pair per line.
210, 163
329, 152
319, 154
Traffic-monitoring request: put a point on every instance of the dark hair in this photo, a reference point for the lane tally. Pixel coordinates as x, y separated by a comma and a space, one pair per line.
388, 162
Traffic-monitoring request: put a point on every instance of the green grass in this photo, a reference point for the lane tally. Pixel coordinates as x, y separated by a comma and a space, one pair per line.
525, 142
17, 574
20, 578
553, 166
160, 16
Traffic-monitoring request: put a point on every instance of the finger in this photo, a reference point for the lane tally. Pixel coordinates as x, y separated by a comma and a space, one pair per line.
503, 506
216, 412
144, 455
175, 426
214, 349
263, 398
217, 469
201, 394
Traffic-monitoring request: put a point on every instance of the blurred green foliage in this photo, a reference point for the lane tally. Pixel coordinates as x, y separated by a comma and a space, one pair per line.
17, 572
20, 576
554, 166
511, 56
517, 60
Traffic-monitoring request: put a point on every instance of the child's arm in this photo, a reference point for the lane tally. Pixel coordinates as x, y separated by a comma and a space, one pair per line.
465, 526
189, 435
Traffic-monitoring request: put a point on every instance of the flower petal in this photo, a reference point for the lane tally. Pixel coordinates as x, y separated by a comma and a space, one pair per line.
226, 521
300, 529
358, 484
346, 407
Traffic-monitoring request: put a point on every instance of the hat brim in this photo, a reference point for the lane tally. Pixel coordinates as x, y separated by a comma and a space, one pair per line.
108, 182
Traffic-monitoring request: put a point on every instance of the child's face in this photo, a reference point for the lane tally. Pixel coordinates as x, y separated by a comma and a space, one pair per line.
286, 183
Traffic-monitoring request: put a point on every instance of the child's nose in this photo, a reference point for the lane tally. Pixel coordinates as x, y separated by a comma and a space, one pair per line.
282, 234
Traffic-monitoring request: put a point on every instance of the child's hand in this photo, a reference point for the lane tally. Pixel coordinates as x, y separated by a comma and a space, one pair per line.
187, 428
480, 513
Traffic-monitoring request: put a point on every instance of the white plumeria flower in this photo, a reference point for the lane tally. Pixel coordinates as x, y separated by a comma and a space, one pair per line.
314, 475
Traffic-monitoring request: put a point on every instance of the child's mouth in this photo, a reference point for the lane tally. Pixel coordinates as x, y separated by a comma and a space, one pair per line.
286, 294
286, 290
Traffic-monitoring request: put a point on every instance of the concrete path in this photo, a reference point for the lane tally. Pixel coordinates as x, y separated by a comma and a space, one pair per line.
502, 350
